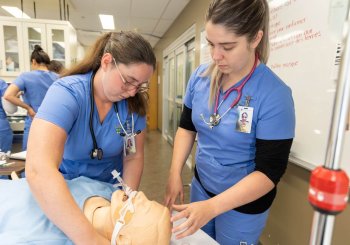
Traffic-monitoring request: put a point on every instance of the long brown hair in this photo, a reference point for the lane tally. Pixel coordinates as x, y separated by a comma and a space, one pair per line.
244, 18
126, 48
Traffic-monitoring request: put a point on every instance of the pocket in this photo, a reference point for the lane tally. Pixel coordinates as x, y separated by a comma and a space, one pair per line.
216, 177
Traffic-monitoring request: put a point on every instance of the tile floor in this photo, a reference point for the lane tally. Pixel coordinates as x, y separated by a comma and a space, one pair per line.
158, 153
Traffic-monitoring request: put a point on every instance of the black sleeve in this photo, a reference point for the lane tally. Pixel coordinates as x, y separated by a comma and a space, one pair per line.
271, 157
186, 119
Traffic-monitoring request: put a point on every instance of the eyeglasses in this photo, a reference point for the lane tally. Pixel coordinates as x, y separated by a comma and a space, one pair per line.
140, 87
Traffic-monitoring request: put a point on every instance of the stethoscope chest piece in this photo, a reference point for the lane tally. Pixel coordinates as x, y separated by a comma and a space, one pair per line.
214, 120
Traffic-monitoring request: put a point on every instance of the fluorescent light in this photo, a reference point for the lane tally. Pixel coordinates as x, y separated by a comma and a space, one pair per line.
16, 12
107, 21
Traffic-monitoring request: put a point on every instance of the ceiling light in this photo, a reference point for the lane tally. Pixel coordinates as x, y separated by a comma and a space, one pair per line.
107, 21
16, 12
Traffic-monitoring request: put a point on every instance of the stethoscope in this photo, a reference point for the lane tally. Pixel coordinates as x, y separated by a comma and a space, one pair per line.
96, 151
215, 118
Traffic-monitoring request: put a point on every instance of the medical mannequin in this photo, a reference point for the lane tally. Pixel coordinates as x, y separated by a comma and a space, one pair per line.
23, 221
149, 224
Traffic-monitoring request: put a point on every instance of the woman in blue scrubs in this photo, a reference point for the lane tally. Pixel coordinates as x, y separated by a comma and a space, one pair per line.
237, 166
34, 85
6, 134
84, 124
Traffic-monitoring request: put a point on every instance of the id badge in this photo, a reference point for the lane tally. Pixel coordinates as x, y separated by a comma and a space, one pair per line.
129, 145
245, 118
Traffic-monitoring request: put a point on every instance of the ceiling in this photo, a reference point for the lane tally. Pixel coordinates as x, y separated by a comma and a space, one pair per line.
151, 18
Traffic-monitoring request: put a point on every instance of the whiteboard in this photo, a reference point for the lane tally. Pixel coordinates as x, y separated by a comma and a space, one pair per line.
305, 55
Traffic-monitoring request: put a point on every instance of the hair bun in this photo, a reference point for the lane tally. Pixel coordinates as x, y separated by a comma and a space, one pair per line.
38, 48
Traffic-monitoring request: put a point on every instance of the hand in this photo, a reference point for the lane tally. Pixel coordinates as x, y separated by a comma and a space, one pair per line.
197, 213
174, 190
31, 112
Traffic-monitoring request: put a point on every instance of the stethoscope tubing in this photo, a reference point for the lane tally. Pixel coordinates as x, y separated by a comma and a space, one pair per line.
238, 89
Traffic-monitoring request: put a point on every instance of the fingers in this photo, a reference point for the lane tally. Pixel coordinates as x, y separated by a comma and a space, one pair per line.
183, 226
168, 202
180, 207
178, 216
186, 228
192, 229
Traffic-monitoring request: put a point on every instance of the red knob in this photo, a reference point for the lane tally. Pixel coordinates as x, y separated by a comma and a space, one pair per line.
328, 190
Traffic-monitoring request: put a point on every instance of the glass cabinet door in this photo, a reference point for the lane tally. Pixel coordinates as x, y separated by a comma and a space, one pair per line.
11, 50
34, 34
57, 46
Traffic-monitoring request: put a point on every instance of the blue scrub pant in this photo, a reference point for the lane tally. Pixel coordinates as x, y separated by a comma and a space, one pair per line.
25, 138
6, 137
232, 227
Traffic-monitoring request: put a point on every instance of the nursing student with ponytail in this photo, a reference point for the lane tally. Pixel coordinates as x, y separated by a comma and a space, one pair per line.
237, 171
83, 126
34, 85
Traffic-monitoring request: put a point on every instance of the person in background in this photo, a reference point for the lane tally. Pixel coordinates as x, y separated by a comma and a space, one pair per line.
236, 172
83, 126
34, 85
56, 66
6, 134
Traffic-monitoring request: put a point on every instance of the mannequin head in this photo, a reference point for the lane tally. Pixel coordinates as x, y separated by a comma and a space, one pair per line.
148, 224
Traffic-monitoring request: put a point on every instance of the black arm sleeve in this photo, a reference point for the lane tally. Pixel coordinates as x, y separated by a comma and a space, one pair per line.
271, 157
186, 119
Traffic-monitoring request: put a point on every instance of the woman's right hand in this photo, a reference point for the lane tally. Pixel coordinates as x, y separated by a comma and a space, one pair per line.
174, 190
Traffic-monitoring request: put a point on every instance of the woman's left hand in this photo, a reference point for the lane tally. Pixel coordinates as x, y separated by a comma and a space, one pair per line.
197, 213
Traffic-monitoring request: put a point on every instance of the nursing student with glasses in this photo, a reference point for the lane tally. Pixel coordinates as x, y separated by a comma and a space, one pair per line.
84, 128
237, 171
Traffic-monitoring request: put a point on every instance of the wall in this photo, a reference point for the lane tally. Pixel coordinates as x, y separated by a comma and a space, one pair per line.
291, 215
194, 13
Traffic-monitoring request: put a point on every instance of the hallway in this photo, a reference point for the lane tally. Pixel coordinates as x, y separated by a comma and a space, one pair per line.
158, 153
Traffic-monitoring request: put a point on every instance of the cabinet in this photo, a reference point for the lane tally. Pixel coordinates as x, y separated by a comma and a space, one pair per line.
19, 36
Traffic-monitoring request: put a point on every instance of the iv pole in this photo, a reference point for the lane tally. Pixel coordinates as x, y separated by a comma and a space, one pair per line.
329, 185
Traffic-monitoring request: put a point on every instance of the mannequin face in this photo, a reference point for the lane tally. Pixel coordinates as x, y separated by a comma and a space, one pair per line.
148, 224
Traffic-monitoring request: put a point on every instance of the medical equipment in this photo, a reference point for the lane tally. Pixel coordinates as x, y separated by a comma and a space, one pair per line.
96, 151
215, 118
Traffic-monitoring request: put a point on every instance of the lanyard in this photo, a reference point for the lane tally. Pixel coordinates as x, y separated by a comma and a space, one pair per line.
121, 125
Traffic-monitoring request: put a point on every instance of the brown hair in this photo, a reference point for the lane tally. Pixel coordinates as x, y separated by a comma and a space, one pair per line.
126, 48
55, 66
40, 56
244, 18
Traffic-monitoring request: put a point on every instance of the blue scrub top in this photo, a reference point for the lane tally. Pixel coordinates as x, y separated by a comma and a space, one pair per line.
6, 134
224, 155
23, 221
67, 105
34, 84
3, 87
